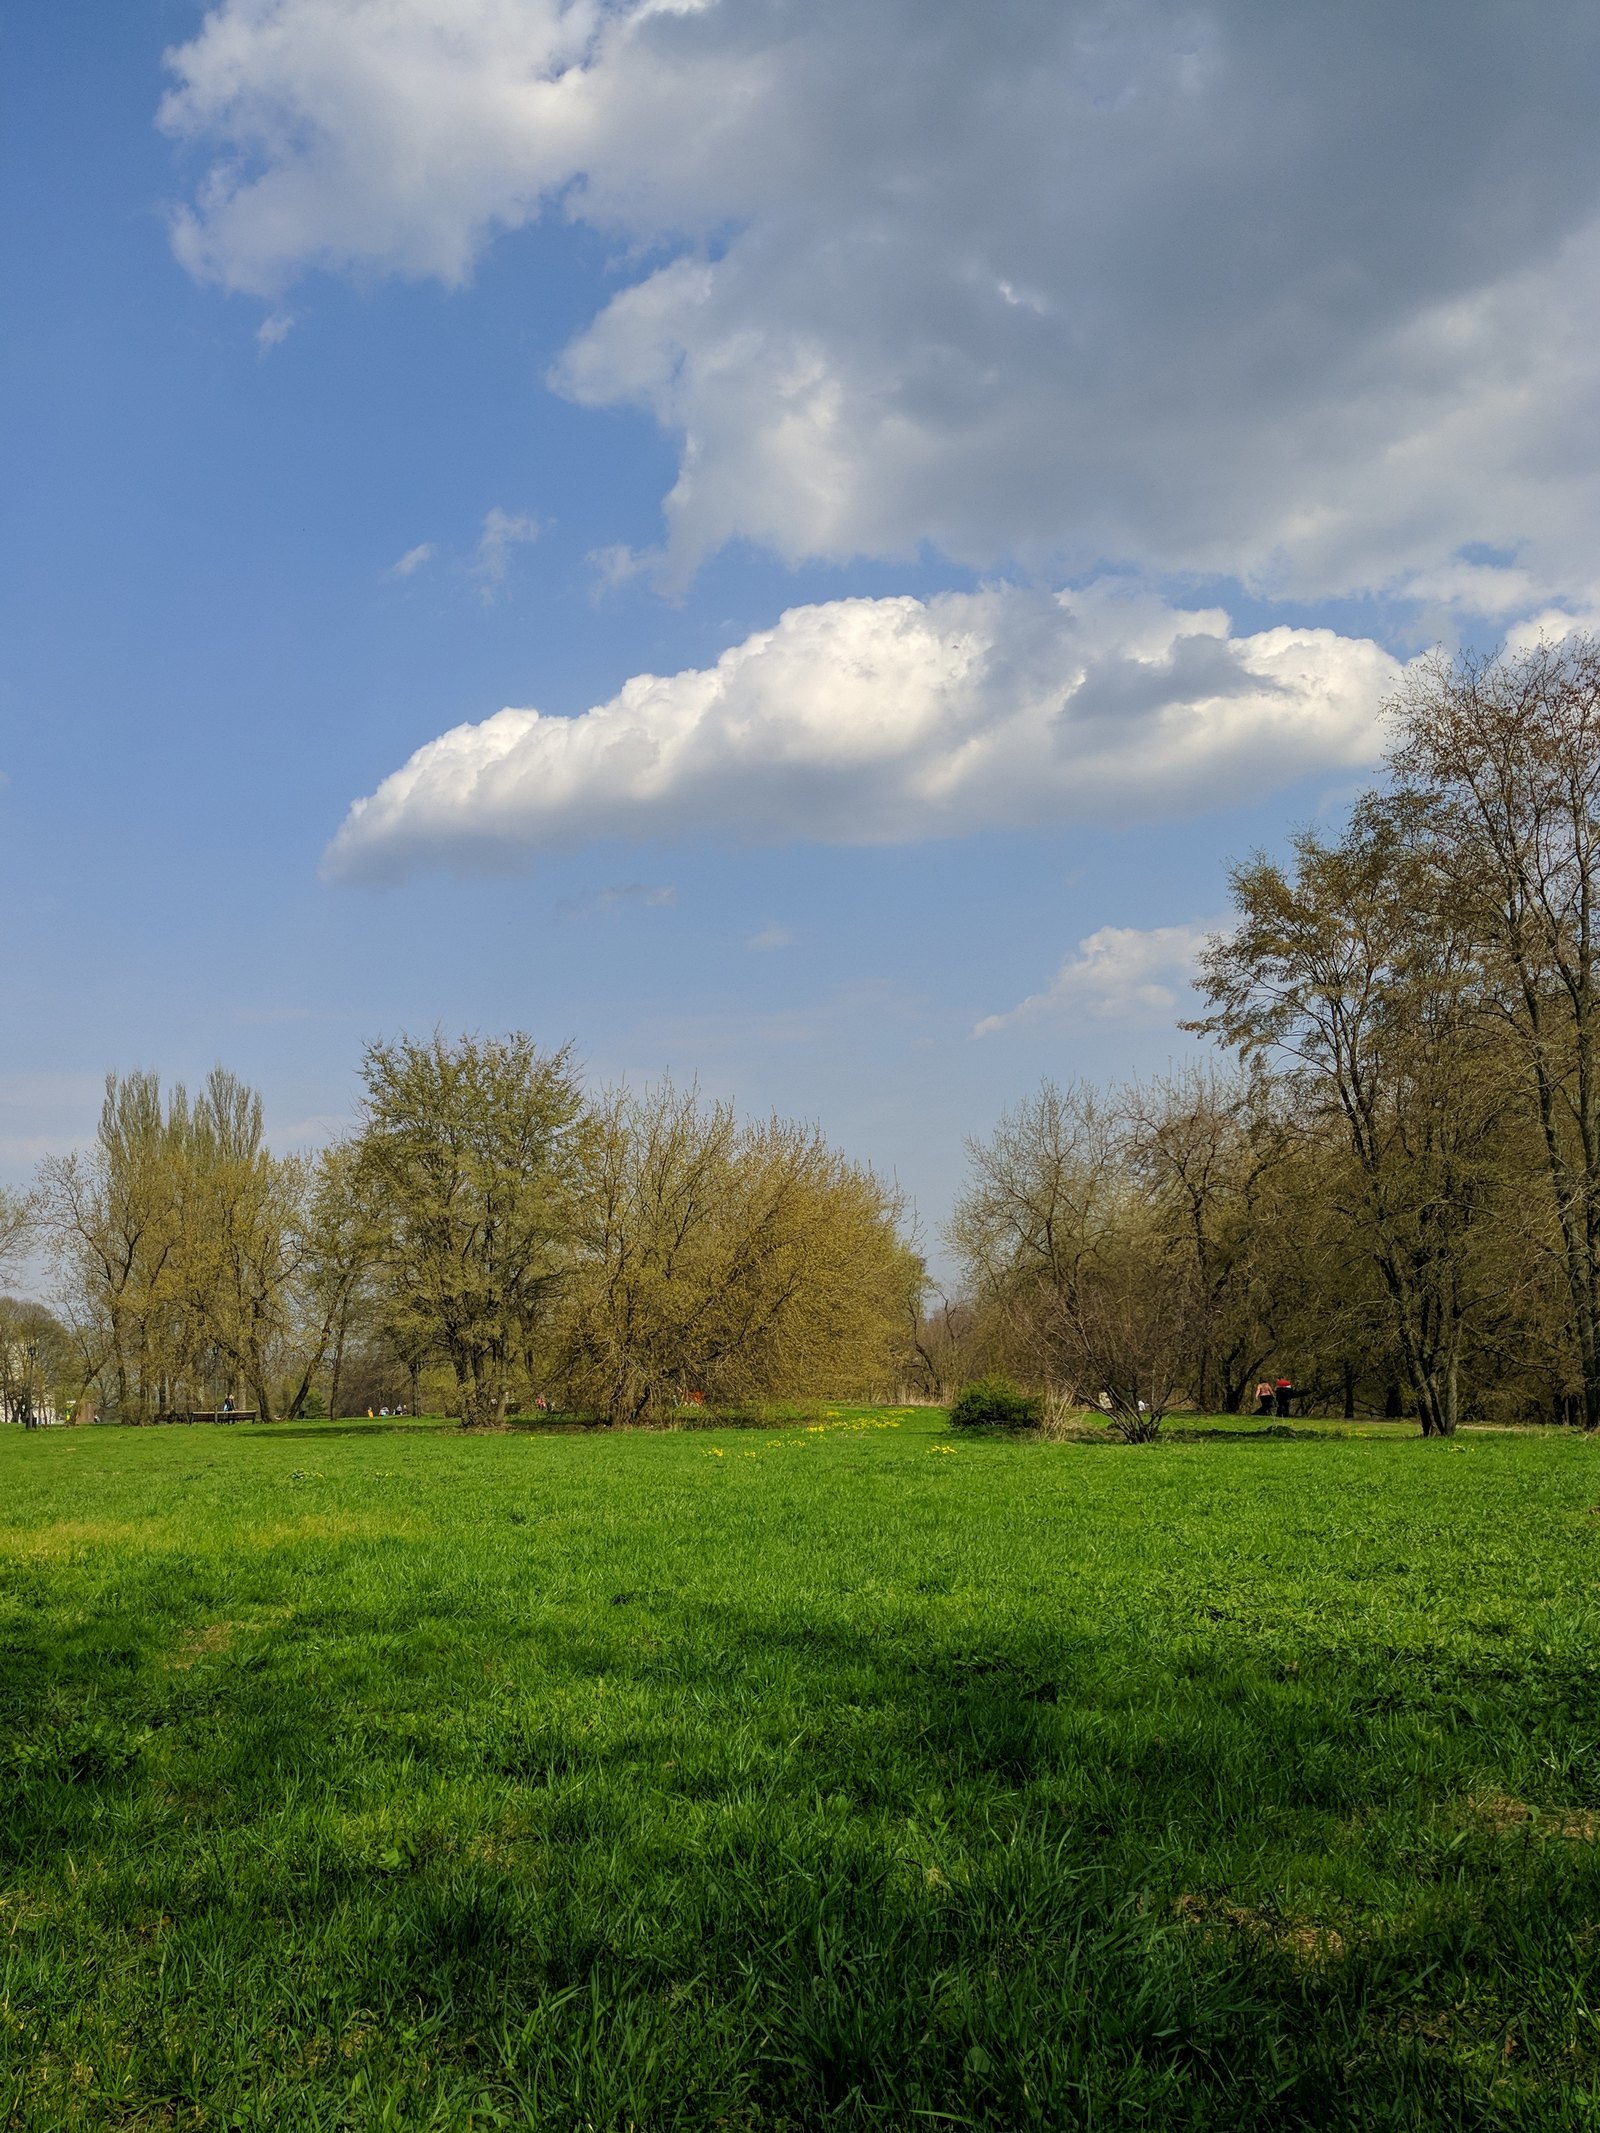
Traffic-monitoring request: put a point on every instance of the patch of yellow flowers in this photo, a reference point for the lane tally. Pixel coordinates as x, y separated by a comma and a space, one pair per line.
856, 1424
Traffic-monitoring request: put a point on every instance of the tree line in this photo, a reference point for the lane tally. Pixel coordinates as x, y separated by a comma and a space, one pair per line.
489, 1238
1395, 1191
1391, 1191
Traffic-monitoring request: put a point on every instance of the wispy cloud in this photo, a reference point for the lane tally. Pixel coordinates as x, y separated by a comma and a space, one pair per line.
275, 327
502, 532
1116, 974
616, 565
413, 559
771, 937
620, 896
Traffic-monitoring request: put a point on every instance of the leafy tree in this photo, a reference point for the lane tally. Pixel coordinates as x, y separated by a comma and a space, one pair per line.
1350, 971
1502, 757
340, 1238
471, 1152
35, 1361
240, 1234
111, 1217
178, 1238
726, 1261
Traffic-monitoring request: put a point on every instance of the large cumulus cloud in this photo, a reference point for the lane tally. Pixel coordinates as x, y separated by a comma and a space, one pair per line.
1302, 295
882, 721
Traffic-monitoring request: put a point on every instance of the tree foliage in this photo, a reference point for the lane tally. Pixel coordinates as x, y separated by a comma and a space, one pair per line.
724, 1261
179, 1242
471, 1154
1391, 1196
1397, 1198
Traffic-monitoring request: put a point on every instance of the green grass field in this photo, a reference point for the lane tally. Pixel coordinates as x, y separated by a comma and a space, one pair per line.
844, 1776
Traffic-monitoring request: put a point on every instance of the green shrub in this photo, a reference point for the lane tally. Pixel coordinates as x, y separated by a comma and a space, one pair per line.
995, 1403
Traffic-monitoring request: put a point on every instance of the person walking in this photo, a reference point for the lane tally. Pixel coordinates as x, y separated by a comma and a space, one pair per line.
1264, 1400
1283, 1393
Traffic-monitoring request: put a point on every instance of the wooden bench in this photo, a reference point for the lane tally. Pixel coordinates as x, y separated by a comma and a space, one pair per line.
221, 1414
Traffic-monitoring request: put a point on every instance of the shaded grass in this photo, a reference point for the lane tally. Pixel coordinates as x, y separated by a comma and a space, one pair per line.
846, 1775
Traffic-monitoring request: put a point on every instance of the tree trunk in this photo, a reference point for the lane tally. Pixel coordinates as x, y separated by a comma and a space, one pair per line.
483, 1396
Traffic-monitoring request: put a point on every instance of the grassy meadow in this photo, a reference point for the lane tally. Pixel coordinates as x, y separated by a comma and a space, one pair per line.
831, 1775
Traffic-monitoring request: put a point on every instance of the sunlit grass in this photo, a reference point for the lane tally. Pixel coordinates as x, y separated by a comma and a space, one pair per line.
838, 1772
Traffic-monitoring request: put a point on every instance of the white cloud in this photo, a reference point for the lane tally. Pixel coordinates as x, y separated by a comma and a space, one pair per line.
1117, 974
1307, 296
502, 532
771, 937
275, 327
885, 721
413, 560
1549, 626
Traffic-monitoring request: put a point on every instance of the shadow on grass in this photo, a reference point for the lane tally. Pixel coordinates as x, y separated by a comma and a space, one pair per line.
1274, 1433
715, 1865
375, 1428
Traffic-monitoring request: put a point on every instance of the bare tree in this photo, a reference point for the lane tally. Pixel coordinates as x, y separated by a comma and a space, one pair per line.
1058, 1244
1216, 1156
17, 1217
944, 1342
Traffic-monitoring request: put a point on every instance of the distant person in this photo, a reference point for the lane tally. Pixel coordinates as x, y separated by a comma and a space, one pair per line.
1265, 1402
1283, 1393
227, 1404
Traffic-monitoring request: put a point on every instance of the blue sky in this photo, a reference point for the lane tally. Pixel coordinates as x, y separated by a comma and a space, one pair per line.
1166, 366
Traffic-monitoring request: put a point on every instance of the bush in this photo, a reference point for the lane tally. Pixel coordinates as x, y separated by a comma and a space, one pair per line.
995, 1403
